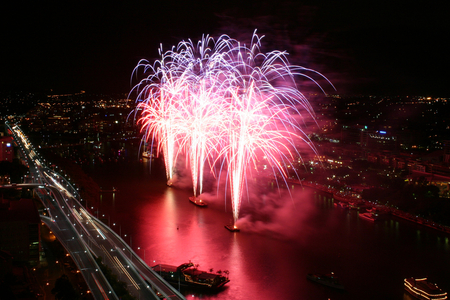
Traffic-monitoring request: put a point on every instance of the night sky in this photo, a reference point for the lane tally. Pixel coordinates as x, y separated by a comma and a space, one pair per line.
372, 48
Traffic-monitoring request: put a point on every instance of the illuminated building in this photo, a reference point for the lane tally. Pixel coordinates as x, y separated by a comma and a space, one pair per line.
6, 148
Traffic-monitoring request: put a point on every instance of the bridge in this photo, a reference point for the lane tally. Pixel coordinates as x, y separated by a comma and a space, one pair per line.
85, 237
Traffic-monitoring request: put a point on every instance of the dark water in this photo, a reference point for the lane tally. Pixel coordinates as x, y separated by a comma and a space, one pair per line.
281, 239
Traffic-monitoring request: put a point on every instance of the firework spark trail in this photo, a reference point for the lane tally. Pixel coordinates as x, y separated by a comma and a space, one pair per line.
264, 100
254, 127
203, 118
222, 100
160, 119
189, 67
178, 71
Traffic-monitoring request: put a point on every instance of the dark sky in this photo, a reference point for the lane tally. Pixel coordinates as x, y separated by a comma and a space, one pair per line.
370, 48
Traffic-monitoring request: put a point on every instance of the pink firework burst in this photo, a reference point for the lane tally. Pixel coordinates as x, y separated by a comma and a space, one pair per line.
223, 101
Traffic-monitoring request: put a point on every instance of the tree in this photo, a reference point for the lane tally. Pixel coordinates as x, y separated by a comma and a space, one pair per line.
15, 169
64, 290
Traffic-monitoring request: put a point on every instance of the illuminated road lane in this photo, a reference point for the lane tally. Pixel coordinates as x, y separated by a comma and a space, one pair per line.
84, 235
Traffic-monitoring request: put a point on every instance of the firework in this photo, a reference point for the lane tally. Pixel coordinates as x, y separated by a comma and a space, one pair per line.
221, 101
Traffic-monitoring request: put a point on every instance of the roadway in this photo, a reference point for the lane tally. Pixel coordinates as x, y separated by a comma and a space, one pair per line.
84, 236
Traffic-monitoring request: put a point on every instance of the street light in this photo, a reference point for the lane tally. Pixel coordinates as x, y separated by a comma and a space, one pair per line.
139, 248
120, 229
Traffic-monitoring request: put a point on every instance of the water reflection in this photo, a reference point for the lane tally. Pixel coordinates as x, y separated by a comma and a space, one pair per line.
236, 268
283, 241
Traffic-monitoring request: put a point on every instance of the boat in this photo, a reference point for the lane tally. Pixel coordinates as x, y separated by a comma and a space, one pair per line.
147, 155
369, 216
329, 280
379, 209
198, 202
341, 204
232, 228
187, 274
423, 289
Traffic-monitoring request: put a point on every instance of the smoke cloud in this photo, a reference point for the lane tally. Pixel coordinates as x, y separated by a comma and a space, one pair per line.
279, 214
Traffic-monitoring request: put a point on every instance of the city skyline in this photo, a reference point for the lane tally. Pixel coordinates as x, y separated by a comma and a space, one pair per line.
371, 48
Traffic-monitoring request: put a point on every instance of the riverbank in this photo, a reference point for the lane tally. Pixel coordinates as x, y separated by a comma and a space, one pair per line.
356, 200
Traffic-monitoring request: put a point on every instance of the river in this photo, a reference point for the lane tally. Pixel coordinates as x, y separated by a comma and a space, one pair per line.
282, 238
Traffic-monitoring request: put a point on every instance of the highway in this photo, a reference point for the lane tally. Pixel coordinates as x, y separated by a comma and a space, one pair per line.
85, 237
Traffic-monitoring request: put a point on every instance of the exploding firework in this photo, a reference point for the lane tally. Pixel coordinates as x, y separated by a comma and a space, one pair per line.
180, 104
221, 101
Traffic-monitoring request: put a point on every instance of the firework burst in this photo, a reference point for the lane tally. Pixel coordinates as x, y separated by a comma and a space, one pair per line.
221, 101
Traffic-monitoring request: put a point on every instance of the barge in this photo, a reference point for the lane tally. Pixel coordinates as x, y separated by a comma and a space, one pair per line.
423, 289
369, 216
232, 228
187, 274
198, 202
329, 280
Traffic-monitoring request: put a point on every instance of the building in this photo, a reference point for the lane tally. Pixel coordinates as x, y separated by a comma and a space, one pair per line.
6, 148
378, 139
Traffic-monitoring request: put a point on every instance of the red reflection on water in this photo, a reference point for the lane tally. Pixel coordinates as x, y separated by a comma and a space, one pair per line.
281, 240
173, 230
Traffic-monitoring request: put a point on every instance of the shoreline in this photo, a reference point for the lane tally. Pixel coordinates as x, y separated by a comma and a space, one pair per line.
348, 199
